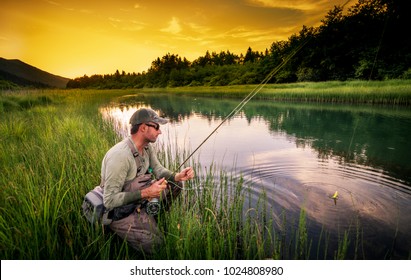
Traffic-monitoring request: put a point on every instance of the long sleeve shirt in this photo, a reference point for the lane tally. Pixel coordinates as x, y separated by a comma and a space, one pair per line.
119, 166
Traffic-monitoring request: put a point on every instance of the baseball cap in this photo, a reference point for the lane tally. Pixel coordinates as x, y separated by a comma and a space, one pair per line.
145, 115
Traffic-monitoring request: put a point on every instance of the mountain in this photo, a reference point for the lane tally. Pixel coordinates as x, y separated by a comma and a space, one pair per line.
23, 74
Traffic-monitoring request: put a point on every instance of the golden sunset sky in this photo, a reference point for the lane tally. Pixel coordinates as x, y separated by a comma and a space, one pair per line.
72, 38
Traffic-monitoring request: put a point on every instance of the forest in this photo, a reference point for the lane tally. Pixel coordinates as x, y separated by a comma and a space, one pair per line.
367, 41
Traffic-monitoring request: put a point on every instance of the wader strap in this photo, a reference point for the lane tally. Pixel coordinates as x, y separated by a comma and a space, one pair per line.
135, 155
132, 148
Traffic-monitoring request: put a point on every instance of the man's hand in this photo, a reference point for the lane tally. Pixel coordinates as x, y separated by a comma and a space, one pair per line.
184, 175
154, 190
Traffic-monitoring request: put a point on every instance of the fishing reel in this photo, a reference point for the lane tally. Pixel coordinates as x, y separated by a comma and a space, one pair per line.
153, 207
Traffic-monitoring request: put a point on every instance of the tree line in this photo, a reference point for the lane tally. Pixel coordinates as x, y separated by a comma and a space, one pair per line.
368, 41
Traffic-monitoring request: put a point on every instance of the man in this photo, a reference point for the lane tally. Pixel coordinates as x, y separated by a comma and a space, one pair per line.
125, 197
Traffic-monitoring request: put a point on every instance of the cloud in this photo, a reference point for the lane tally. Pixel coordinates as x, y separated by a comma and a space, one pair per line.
290, 4
127, 25
116, 20
86, 11
53, 3
173, 27
198, 28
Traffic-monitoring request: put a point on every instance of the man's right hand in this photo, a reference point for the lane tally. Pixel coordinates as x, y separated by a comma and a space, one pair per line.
154, 190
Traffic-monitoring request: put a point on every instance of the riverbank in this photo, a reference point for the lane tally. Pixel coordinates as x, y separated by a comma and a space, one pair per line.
390, 92
396, 92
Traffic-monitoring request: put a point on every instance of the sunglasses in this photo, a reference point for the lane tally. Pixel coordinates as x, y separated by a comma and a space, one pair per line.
156, 126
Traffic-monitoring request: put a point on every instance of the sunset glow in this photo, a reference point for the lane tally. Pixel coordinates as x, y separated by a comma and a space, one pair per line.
72, 38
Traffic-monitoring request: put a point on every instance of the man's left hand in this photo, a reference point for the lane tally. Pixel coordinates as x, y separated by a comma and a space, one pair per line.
185, 174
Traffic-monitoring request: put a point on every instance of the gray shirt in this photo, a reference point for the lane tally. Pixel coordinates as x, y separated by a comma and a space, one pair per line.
119, 167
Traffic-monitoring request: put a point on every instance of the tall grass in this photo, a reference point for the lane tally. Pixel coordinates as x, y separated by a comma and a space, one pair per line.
50, 156
208, 222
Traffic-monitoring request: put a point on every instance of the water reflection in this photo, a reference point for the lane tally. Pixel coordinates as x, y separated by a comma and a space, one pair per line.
300, 155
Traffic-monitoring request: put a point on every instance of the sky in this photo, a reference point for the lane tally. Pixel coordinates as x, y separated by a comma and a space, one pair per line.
73, 38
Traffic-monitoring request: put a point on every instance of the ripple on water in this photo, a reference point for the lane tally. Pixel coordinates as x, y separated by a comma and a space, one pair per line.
365, 196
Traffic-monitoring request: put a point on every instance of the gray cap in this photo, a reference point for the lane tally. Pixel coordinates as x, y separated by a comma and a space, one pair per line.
145, 115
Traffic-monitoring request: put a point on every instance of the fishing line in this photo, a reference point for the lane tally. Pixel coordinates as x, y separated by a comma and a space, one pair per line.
248, 98
379, 46
242, 104
253, 93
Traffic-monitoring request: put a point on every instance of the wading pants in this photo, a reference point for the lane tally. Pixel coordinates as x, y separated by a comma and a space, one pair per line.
140, 229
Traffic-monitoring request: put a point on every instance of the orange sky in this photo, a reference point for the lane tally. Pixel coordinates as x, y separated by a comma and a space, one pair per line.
71, 38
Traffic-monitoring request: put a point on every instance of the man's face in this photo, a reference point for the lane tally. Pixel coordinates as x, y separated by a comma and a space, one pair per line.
152, 130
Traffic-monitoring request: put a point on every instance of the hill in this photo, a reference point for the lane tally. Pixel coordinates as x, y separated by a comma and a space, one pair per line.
23, 74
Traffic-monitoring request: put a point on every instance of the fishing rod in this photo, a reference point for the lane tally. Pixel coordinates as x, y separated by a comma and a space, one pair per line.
247, 98
243, 103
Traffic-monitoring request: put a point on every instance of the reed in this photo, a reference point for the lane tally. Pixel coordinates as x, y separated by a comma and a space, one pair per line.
208, 222
50, 156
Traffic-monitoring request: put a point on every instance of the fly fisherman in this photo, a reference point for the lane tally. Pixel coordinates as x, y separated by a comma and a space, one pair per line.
127, 178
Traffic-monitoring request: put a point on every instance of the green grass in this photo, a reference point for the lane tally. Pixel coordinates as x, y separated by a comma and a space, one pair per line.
50, 156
